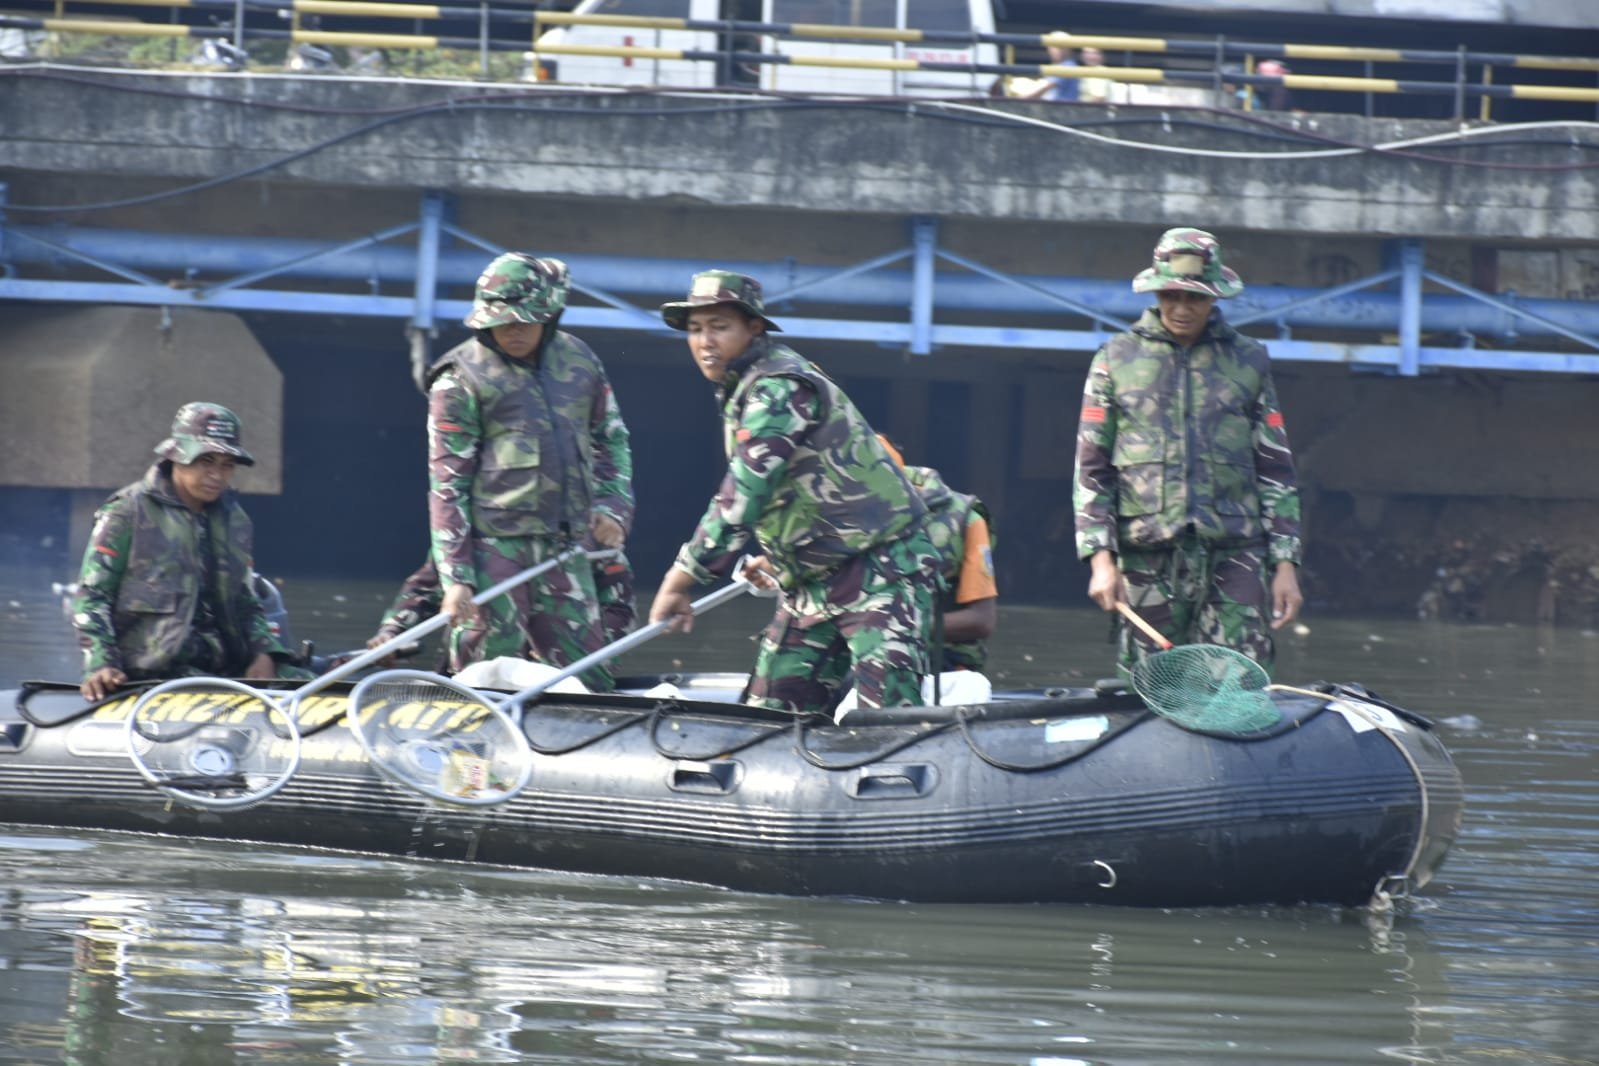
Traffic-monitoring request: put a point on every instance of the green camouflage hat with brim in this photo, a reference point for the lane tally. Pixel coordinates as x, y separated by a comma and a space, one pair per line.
519, 288
1189, 260
712, 287
201, 429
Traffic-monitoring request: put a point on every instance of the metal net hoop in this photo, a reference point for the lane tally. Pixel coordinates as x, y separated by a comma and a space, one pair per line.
1207, 687
439, 738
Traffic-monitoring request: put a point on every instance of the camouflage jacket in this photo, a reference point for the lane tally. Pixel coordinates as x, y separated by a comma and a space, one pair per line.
522, 448
948, 514
806, 476
1171, 437
140, 585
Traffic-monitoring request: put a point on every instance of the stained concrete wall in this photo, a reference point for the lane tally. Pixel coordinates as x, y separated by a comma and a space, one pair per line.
89, 391
978, 159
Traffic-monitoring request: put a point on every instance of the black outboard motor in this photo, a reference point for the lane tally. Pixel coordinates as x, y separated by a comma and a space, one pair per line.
277, 615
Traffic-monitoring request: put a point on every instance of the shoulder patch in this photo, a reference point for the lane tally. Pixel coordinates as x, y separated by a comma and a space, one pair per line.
1274, 419
1093, 414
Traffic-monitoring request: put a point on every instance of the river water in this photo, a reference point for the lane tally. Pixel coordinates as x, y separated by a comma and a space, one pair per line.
127, 951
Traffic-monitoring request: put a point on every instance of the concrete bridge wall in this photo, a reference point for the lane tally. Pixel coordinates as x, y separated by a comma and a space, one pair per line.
981, 160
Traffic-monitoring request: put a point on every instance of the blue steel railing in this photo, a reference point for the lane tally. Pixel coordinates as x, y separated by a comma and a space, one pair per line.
899, 308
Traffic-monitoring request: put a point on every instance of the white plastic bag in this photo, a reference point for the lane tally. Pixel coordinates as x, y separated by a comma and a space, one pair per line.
513, 674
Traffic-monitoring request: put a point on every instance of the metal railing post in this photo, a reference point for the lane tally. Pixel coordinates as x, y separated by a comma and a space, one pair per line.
483, 39
238, 24
1412, 258
1219, 96
425, 299
1460, 83
431, 220
924, 248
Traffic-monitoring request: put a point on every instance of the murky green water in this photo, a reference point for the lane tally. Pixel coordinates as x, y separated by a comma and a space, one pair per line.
132, 950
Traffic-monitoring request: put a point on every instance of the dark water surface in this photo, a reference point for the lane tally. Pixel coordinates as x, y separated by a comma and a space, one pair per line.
128, 951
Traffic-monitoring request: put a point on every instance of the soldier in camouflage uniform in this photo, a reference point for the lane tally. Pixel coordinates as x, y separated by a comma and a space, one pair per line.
166, 590
1185, 493
527, 455
962, 532
809, 481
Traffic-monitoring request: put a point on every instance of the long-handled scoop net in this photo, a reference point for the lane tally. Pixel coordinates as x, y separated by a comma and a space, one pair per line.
222, 744
453, 744
1203, 686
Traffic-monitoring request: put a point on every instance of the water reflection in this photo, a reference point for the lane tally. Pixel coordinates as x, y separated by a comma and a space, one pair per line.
380, 962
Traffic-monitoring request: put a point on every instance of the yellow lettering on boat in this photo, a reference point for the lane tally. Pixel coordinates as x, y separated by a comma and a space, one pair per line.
406, 714
319, 710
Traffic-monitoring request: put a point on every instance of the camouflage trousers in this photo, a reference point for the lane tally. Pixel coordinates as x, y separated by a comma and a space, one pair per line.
1197, 594
613, 589
874, 620
554, 618
420, 596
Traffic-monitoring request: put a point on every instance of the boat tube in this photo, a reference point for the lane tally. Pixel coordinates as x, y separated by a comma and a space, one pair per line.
1071, 795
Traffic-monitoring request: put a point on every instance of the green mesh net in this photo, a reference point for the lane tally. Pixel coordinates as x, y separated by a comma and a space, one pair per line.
1208, 687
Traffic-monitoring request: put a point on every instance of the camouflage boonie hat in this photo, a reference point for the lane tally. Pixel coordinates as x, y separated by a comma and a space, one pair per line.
1189, 260
517, 287
199, 428
711, 287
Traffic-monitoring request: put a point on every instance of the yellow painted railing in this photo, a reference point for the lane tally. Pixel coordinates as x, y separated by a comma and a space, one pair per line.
1222, 66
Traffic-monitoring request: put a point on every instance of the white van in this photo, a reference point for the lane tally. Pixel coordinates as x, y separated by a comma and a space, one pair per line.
958, 16
949, 16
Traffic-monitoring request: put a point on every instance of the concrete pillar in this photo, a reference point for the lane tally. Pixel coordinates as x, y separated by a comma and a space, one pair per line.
90, 392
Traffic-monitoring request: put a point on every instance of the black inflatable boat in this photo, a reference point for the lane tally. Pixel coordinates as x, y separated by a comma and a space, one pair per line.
1061, 795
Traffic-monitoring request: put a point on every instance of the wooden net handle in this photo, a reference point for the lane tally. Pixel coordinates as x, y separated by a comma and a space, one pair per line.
1149, 631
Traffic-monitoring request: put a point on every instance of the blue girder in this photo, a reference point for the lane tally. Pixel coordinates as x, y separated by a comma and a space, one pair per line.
900, 307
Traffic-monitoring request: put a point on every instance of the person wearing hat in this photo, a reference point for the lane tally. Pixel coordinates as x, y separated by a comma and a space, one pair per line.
166, 585
811, 488
527, 456
1187, 508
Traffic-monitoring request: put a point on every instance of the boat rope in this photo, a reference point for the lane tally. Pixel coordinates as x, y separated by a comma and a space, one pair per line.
28, 689
963, 720
659, 714
1397, 886
595, 738
802, 726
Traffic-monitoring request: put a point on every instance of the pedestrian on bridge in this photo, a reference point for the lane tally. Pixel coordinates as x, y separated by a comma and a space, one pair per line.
1187, 508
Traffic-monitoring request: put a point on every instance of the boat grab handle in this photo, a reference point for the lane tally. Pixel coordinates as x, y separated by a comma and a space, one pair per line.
893, 781
719, 777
